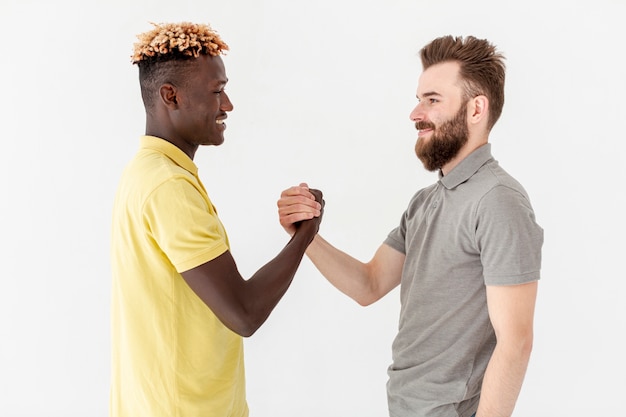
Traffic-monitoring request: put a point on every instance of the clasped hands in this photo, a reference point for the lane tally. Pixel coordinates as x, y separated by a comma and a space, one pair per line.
298, 204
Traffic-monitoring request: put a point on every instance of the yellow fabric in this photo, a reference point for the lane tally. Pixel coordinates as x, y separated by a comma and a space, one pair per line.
171, 356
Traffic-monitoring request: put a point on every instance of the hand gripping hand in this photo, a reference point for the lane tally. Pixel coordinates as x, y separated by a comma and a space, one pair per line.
301, 207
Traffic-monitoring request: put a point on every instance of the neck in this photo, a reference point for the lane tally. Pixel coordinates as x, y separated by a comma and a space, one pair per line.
467, 149
171, 137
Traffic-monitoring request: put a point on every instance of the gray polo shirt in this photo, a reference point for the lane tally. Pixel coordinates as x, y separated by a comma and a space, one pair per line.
474, 227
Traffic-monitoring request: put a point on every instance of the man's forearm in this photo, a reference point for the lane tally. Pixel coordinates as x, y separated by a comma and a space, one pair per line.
268, 285
347, 274
503, 381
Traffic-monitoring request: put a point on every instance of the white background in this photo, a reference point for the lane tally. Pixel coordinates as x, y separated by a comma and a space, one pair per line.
322, 91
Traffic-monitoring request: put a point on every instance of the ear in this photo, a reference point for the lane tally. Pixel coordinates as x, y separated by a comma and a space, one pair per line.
168, 94
478, 110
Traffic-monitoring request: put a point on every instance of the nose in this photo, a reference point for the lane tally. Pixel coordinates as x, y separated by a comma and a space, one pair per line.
417, 113
226, 104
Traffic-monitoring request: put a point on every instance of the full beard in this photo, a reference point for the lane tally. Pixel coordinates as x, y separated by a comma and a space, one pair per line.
445, 142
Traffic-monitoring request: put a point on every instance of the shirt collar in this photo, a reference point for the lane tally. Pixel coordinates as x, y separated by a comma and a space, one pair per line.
467, 167
171, 151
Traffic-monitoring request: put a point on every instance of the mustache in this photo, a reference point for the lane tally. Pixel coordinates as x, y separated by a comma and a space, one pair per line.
421, 125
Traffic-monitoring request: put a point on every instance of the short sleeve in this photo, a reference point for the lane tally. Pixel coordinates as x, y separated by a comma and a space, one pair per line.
184, 224
396, 238
508, 237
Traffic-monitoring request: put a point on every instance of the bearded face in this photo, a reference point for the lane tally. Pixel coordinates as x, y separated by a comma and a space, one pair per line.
445, 142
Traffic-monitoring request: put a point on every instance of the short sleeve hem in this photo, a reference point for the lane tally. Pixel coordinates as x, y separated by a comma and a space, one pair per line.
395, 244
202, 257
504, 280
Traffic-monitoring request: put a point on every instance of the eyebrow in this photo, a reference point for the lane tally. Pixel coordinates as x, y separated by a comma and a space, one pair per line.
219, 84
428, 94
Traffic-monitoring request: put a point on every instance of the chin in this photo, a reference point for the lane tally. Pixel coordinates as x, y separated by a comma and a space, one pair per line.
214, 142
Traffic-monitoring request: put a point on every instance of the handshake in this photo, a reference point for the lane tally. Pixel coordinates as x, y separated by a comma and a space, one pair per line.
300, 210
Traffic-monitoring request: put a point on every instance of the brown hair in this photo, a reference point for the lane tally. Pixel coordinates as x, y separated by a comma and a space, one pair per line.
482, 67
167, 52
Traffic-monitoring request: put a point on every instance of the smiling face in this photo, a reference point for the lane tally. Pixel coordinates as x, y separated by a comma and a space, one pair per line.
445, 142
202, 104
440, 116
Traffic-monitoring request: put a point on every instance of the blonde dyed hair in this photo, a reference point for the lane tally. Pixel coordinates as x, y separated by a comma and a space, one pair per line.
168, 53
172, 41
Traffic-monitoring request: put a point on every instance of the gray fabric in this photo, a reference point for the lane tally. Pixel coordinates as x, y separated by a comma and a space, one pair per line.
472, 228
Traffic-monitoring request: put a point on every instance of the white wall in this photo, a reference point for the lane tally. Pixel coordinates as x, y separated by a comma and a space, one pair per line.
322, 91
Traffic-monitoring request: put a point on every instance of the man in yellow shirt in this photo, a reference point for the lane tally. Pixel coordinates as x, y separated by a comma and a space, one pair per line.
179, 305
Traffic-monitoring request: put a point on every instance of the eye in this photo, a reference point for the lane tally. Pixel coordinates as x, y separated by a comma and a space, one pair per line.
428, 100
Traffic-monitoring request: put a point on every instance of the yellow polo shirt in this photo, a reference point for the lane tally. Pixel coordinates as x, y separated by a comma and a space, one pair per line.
171, 356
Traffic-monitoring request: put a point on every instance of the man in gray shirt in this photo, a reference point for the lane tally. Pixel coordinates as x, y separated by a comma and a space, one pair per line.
466, 254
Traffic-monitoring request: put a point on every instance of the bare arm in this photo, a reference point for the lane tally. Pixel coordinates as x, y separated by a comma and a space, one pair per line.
244, 305
511, 310
363, 282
